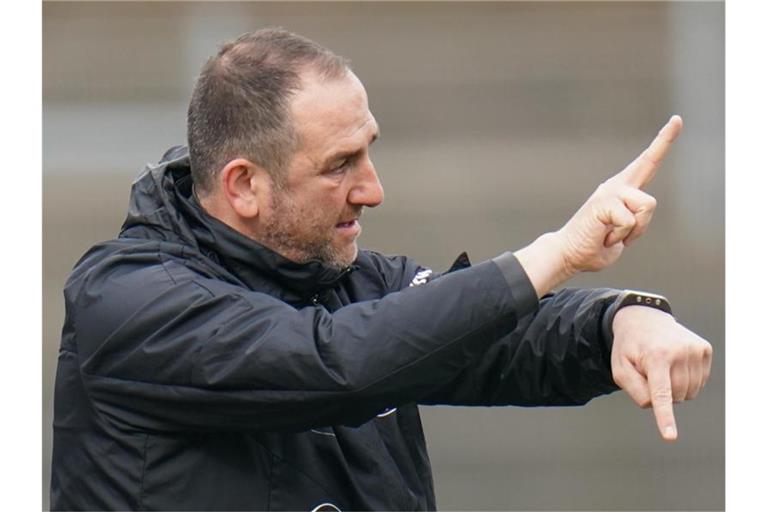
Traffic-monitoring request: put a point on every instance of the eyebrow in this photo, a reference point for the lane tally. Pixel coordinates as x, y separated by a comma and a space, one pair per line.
344, 154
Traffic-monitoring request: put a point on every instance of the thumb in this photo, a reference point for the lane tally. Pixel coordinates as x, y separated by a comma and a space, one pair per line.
631, 381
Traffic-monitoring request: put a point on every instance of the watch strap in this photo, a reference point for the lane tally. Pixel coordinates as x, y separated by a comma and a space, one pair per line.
632, 298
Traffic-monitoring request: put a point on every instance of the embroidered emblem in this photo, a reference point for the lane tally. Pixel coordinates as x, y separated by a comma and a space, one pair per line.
387, 412
421, 277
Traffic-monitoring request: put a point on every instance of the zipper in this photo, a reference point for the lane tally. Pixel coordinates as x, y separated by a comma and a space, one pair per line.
315, 299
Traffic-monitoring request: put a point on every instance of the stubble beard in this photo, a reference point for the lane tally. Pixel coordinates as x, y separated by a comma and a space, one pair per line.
300, 238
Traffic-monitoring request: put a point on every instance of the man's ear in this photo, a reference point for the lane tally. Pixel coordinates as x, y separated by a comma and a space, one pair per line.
245, 186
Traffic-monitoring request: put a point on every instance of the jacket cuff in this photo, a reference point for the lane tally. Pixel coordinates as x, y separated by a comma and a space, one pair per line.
519, 284
607, 322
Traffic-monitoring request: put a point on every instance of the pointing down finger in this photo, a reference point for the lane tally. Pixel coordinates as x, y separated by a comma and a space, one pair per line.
660, 386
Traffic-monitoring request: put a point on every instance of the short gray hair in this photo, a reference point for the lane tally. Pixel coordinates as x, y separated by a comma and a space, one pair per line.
240, 106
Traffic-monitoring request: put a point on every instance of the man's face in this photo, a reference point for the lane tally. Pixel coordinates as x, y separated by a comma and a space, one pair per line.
314, 214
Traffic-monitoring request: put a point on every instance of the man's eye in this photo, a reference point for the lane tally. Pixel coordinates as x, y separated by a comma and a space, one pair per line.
340, 167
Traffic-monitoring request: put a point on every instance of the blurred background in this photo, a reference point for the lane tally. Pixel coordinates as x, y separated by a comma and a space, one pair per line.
497, 120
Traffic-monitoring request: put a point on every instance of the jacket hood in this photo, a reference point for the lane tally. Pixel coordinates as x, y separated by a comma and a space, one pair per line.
162, 207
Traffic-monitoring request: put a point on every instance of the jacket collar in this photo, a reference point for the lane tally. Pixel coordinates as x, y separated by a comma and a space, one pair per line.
162, 200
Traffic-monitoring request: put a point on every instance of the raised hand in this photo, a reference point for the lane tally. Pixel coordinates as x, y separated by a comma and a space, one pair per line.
618, 212
615, 215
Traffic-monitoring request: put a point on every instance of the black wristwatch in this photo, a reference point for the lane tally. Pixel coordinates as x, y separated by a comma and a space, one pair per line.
632, 298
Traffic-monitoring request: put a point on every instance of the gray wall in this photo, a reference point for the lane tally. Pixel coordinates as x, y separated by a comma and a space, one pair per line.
498, 120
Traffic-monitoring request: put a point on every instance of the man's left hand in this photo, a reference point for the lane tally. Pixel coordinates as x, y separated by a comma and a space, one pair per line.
657, 362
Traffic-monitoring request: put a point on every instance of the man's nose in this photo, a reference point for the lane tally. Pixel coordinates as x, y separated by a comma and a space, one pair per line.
368, 190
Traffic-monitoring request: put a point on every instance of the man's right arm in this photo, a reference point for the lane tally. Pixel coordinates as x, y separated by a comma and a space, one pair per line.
207, 355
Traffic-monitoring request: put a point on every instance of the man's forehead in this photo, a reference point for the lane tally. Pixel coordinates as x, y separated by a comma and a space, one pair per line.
326, 147
335, 109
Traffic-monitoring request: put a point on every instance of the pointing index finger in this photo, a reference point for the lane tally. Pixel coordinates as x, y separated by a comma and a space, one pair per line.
642, 169
659, 382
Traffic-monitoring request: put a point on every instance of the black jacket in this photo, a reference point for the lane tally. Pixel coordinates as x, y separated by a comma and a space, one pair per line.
200, 370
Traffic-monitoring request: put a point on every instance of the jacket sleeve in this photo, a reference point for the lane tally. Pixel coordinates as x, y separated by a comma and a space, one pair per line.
206, 355
556, 355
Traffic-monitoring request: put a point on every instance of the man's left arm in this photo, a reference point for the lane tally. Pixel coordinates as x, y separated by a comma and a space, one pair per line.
566, 354
557, 355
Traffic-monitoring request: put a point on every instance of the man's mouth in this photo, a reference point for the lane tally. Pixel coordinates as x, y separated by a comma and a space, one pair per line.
348, 224
351, 226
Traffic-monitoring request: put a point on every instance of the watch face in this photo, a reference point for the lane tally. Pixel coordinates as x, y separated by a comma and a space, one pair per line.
651, 300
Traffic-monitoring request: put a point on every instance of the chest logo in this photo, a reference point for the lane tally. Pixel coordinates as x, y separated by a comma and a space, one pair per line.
386, 412
421, 277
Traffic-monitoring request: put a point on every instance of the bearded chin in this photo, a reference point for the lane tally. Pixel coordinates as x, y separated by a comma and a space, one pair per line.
294, 235
283, 238
326, 253
339, 261
330, 255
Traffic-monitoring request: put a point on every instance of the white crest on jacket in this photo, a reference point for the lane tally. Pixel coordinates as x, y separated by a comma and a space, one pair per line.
421, 277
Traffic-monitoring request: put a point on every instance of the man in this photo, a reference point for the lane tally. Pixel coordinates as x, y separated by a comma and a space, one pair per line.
233, 349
